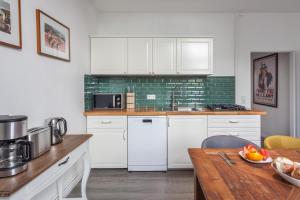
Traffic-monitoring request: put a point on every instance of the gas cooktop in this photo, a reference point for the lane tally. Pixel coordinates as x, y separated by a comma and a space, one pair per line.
226, 107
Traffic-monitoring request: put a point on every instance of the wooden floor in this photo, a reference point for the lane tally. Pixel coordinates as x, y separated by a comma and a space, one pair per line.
123, 185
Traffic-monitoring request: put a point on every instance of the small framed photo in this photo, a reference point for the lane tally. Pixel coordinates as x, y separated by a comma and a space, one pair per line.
53, 38
265, 80
10, 23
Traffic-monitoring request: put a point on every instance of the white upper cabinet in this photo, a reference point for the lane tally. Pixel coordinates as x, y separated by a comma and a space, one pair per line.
195, 55
147, 56
139, 55
164, 56
108, 55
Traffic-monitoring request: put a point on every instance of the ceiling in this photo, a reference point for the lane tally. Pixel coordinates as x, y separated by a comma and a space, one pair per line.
197, 5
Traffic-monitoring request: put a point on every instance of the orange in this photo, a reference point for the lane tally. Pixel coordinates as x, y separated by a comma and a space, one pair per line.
254, 156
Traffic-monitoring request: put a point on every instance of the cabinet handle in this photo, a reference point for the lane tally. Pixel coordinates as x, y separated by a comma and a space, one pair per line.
168, 122
64, 162
106, 122
234, 121
124, 137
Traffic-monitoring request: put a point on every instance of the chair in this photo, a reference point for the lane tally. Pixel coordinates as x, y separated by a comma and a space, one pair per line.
225, 141
281, 142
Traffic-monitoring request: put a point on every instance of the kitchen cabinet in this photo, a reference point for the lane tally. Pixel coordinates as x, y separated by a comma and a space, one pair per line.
108, 146
108, 56
139, 55
148, 56
194, 55
184, 132
244, 126
164, 56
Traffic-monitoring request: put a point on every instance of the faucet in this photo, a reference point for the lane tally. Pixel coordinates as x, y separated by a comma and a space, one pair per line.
173, 105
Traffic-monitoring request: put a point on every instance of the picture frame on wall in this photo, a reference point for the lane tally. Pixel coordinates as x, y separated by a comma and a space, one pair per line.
10, 23
265, 80
53, 37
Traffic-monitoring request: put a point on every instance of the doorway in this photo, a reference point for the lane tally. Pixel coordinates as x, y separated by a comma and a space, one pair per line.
279, 120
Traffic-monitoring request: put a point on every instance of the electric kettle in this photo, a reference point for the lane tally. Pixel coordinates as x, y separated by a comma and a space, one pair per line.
58, 128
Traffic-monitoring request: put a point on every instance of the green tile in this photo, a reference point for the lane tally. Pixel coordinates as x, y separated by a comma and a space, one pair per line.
188, 90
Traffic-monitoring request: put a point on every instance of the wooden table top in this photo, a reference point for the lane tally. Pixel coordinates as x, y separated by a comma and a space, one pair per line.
243, 180
37, 166
160, 112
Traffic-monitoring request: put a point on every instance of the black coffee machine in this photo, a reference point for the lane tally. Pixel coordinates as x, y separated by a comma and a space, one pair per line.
14, 146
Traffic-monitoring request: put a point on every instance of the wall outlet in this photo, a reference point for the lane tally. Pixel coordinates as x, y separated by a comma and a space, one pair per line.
151, 96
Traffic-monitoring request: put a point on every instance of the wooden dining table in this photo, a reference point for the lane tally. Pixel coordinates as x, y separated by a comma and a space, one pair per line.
215, 179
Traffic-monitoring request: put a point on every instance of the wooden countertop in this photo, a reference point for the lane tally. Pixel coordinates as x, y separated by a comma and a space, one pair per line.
10, 185
216, 180
154, 112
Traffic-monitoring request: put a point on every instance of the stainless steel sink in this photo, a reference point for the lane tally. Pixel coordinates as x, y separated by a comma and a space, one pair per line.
187, 109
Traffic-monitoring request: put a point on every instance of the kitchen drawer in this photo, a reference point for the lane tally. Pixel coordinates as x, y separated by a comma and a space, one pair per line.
234, 121
107, 122
252, 134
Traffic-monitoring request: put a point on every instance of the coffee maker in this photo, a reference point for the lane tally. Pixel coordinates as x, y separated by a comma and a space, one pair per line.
14, 145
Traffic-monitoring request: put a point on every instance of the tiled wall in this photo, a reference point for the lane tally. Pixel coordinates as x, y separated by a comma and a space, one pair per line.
189, 91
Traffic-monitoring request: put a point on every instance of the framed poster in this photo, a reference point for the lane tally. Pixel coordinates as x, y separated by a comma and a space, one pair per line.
10, 23
265, 80
53, 38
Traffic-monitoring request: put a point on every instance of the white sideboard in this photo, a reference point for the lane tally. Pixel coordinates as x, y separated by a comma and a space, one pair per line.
57, 181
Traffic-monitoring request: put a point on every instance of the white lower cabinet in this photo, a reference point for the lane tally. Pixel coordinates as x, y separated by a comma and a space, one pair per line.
108, 146
184, 132
244, 126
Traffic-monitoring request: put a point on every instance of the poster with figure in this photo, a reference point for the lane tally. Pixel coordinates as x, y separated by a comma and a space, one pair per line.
265, 80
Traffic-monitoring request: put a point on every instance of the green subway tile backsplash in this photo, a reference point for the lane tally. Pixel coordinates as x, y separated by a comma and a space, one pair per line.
189, 91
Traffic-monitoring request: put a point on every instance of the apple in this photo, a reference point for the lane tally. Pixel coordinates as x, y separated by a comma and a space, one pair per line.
265, 154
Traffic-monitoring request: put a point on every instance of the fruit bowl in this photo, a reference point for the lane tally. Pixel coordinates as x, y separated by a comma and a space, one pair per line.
286, 168
268, 160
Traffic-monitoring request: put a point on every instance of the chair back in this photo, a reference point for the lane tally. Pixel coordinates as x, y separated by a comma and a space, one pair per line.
281, 142
225, 141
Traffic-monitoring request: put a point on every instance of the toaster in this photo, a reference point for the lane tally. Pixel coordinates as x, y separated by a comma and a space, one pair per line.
40, 141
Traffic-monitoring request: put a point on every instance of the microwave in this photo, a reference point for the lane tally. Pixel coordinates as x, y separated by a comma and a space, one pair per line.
109, 101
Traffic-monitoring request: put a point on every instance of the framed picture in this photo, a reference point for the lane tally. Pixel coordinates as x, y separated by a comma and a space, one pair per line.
10, 23
265, 80
53, 38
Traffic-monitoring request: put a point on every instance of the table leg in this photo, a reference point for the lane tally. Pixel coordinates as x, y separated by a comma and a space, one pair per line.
86, 173
198, 193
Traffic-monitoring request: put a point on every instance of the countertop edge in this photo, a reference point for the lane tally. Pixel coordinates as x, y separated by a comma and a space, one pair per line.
171, 113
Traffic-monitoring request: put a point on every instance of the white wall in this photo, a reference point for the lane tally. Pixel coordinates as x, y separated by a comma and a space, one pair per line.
41, 87
261, 33
277, 122
219, 26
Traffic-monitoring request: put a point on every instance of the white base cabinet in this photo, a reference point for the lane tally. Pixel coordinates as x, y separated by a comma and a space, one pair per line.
244, 126
184, 132
108, 146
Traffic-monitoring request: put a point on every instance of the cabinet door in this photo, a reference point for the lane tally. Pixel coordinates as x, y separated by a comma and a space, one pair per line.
195, 55
108, 55
139, 55
108, 148
184, 132
164, 55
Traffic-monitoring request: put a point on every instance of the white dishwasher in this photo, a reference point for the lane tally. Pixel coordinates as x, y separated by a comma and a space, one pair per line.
147, 143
